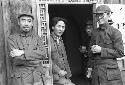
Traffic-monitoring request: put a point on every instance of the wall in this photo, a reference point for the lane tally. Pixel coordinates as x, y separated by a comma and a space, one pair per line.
9, 10
2, 49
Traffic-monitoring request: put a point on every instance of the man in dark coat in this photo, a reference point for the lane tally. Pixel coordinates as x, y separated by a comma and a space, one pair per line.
86, 37
27, 52
105, 46
61, 69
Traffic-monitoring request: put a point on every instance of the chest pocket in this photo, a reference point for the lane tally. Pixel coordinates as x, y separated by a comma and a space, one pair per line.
34, 44
108, 41
113, 73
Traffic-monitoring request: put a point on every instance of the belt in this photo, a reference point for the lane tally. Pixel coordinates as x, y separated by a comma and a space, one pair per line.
31, 63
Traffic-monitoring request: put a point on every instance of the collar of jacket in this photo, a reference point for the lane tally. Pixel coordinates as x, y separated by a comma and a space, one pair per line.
23, 34
55, 37
103, 26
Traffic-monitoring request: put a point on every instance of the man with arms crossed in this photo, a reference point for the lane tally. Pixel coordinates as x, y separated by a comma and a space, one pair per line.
27, 51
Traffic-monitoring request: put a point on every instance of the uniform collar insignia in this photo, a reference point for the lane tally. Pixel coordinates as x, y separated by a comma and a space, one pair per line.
55, 37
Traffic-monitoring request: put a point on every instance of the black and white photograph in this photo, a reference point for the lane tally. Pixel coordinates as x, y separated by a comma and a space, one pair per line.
62, 42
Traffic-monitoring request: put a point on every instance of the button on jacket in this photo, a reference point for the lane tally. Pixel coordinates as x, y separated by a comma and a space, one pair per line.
105, 67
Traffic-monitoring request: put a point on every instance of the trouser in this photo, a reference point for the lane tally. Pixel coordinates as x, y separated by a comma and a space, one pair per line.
106, 75
28, 76
63, 81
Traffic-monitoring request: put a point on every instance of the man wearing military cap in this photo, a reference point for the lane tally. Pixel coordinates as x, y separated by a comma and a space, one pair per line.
86, 31
105, 46
27, 51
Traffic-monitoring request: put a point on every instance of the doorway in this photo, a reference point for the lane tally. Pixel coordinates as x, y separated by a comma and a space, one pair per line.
76, 15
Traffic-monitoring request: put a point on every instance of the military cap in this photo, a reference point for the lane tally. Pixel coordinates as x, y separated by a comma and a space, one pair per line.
103, 9
25, 14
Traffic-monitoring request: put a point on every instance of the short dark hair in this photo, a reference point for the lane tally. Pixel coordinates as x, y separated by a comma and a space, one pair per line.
55, 20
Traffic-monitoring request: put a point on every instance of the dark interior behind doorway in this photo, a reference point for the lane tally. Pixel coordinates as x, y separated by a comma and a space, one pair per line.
76, 15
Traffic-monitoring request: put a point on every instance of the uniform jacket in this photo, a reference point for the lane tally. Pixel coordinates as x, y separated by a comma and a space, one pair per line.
33, 47
59, 57
31, 44
105, 67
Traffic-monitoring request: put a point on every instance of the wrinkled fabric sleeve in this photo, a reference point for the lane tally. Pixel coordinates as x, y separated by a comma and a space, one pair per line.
118, 50
55, 68
68, 75
38, 53
12, 44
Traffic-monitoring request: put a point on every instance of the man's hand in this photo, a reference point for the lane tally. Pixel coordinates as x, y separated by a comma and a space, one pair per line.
96, 49
82, 49
62, 72
89, 71
16, 52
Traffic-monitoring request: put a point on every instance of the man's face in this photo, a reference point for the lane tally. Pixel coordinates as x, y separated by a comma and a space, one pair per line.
26, 23
59, 28
102, 18
89, 29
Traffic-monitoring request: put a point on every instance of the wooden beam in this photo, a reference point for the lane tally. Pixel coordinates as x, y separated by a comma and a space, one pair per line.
3, 32
94, 17
112, 1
